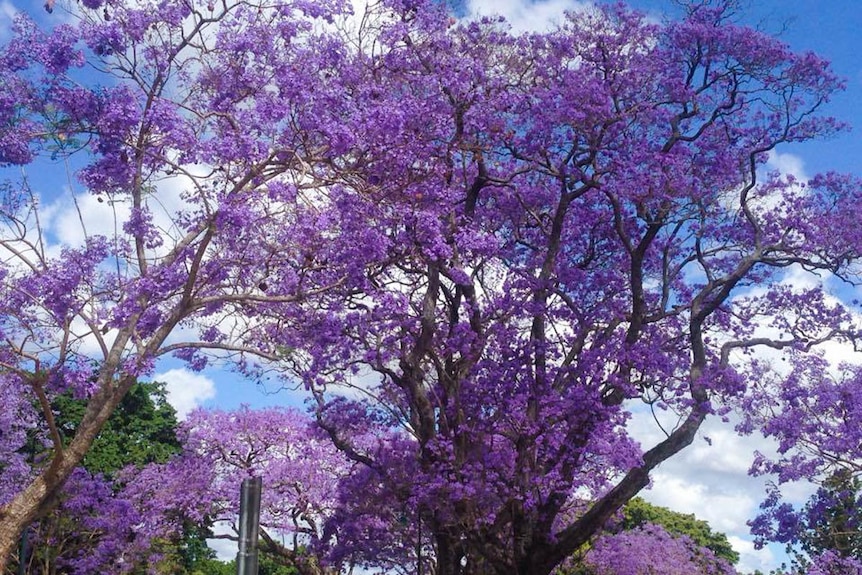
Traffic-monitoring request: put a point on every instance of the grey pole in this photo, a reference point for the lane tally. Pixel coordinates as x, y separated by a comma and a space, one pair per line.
249, 526
22, 552
419, 543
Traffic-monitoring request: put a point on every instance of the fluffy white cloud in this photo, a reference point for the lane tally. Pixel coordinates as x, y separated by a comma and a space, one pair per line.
751, 559
72, 218
726, 507
524, 15
186, 389
710, 480
787, 164
724, 452
725, 504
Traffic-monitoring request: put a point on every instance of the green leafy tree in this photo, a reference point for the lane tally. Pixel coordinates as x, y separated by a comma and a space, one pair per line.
190, 555
833, 517
214, 567
267, 566
826, 534
638, 512
142, 430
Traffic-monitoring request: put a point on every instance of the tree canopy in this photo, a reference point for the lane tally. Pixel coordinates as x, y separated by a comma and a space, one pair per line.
482, 253
638, 513
141, 430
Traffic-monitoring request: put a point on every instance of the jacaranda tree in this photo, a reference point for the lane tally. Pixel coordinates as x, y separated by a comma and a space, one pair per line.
813, 415
481, 252
650, 549
301, 471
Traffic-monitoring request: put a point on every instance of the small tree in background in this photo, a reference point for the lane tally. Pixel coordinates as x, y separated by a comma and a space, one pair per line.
653, 540
639, 513
650, 550
824, 533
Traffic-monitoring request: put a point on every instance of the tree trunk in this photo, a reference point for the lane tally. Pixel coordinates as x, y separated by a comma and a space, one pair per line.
36, 499
448, 555
26, 507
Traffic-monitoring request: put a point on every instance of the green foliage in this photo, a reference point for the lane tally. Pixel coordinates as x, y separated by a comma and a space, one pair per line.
270, 566
836, 527
267, 566
141, 430
186, 556
193, 549
829, 523
214, 567
638, 512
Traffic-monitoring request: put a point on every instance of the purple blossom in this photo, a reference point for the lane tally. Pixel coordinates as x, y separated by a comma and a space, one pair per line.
478, 251
650, 549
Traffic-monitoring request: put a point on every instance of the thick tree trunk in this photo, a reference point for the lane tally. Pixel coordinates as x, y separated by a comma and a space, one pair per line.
36, 499
27, 507
448, 555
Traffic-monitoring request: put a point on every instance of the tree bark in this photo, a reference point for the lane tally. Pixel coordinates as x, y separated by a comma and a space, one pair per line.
35, 500
25, 508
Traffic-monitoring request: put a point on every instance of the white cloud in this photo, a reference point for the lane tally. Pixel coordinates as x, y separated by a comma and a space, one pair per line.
710, 480
186, 389
800, 280
726, 508
724, 453
7, 15
765, 199
751, 559
524, 15
225, 549
72, 218
787, 164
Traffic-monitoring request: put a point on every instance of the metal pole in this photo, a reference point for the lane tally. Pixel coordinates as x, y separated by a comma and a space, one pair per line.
22, 552
249, 526
419, 543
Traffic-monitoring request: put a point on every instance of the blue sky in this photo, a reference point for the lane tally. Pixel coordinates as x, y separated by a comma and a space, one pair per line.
708, 480
830, 28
